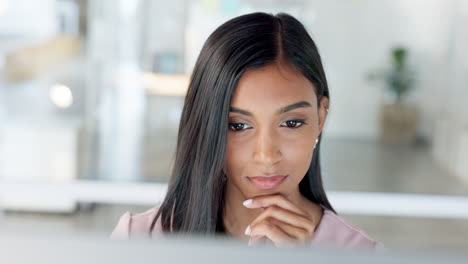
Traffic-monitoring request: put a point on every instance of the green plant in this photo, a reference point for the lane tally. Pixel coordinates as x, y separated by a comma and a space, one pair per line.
399, 79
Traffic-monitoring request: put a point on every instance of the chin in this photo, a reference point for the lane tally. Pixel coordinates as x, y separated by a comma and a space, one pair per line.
267, 192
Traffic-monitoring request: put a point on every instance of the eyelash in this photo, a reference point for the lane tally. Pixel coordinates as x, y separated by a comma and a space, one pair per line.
301, 121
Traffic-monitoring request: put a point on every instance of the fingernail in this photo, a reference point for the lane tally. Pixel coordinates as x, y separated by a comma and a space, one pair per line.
247, 230
247, 202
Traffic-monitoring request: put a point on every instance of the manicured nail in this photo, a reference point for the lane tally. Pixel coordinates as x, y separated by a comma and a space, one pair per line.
247, 230
247, 202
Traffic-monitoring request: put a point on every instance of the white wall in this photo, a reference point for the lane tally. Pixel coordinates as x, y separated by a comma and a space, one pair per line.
457, 94
451, 127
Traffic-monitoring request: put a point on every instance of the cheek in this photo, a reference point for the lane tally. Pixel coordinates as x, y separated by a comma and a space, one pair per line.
236, 157
299, 151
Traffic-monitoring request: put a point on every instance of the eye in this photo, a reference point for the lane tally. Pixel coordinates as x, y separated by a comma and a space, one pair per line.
238, 127
294, 123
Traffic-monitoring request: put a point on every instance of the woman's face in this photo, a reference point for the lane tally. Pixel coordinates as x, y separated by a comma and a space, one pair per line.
273, 125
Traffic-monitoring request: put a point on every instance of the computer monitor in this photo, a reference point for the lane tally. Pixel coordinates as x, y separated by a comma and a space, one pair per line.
70, 249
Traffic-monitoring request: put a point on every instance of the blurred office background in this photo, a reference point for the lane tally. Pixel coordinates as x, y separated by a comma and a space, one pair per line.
91, 93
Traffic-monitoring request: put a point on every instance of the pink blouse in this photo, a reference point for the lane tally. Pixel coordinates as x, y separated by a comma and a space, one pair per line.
332, 231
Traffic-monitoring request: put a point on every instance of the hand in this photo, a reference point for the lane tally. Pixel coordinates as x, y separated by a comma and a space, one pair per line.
280, 221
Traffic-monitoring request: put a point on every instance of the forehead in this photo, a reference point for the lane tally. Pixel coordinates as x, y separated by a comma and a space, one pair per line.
272, 86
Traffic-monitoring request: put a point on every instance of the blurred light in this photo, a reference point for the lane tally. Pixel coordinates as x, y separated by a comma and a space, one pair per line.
3, 7
61, 95
166, 84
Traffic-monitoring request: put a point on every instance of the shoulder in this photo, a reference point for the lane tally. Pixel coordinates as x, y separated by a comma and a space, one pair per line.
131, 225
336, 232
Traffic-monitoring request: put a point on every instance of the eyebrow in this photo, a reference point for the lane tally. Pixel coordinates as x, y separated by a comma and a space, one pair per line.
280, 111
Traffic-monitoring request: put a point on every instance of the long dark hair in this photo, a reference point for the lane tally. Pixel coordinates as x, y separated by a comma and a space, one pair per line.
195, 193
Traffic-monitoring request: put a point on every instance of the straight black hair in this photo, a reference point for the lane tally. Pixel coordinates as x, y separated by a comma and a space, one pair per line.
196, 188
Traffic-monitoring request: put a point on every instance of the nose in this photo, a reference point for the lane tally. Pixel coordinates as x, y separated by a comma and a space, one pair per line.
267, 149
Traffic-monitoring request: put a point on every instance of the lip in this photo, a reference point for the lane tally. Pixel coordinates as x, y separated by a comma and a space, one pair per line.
267, 182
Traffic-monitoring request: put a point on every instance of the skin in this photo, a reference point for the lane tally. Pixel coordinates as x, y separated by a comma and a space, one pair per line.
269, 143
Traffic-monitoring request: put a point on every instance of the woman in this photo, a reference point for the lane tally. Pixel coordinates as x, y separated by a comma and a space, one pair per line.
248, 150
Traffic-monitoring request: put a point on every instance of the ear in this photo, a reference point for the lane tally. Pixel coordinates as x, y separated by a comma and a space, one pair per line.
323, 111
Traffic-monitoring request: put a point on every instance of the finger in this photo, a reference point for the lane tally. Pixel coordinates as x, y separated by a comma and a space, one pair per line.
298, 233
269, 200
288, 217
274, 233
